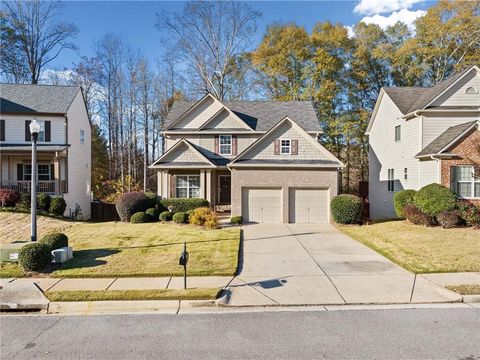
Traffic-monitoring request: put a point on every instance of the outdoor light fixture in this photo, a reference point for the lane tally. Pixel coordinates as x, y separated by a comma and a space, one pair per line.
34, 131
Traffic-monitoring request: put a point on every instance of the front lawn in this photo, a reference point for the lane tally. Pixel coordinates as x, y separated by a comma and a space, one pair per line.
116, 249
473, 289
421, 249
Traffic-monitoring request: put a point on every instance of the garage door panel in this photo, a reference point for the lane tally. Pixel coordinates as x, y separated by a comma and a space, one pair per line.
308, 206
262, 205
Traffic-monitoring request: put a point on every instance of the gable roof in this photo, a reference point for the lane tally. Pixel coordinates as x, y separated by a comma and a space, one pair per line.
243, 125
405, 97
31, 99
329, 161
161, 161
258, 115
447, 138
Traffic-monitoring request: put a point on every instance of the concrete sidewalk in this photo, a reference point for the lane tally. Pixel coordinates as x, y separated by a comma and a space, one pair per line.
306, 264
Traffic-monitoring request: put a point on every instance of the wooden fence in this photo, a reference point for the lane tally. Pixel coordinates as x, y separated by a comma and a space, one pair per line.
104, 212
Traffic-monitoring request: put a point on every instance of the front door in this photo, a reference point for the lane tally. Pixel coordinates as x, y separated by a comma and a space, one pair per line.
224, 182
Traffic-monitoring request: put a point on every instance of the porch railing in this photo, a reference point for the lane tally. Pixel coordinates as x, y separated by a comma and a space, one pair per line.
26, 186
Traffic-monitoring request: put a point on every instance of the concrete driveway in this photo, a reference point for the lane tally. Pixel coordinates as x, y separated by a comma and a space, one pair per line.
306, 264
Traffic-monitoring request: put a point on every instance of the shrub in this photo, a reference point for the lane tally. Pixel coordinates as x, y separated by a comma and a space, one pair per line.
180, 217
469, 213
183, 204
449, 219
140, 218
57, 206
166, 216
131, 203
154, 213
236, 220
43, 201
153, 198
54, 241
346, 209
402, 198
204, 216
8, 198
34, 256
24, 203
434, 199
416, 216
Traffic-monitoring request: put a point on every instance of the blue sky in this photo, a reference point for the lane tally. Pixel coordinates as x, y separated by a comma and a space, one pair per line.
135, 20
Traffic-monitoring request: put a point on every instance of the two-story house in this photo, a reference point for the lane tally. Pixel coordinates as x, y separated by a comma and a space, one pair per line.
260, 160
419, 136
64, 142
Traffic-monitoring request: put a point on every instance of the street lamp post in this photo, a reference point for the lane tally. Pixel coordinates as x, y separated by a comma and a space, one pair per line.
34, 130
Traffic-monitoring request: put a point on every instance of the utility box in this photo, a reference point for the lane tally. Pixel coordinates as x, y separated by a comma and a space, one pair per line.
62, 255
9, 252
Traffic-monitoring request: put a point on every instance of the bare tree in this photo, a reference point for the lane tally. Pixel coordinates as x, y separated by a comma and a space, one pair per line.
37, 38
210, 36
145, 103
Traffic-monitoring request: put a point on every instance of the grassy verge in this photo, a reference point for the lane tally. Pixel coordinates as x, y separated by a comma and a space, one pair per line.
11, 270
421, 249
103, 295
473, 289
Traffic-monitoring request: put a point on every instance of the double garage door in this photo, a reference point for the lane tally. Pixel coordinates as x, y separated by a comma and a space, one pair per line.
265, 205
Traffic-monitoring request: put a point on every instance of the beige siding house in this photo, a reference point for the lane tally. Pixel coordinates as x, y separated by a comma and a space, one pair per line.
260, 160
419, 136
64, 144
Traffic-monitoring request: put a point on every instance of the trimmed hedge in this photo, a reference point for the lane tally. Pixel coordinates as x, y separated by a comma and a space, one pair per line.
153, 197
9, 198
417, 217
57, 206
236, 220
140, 218
54, 240
180, 217
449, 219
43, 201
24, 203
434, 199
346, 209
34, 256
402, 198
131, 203
205, 217
154, 213
183, 204
165, 216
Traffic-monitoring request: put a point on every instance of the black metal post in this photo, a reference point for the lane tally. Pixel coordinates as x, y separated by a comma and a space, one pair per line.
185, 267
33, 194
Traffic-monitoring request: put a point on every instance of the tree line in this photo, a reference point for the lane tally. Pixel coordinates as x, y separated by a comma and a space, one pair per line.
209, 48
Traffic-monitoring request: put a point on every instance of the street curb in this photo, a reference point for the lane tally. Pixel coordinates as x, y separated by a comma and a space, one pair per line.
470, 299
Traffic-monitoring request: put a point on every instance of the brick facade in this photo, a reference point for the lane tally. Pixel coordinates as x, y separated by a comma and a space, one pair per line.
468, 153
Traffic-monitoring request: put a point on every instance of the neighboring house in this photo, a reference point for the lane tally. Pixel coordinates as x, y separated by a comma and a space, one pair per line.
419, 136
260, 160
64, 143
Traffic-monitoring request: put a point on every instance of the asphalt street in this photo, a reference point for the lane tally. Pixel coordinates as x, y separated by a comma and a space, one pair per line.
447, 333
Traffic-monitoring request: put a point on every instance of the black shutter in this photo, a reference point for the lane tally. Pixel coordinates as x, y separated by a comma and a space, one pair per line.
2, 130
20, 172
453, 178
48, 131
52, 172
28, 137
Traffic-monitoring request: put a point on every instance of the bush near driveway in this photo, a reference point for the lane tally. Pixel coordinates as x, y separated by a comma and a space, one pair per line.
34, 256
140, 218
434, 199
236, 220
401, 199
131, 203
417, 217
346, 209
180, 218
57, 206
183, 204
204, 216
54, 241
8, 198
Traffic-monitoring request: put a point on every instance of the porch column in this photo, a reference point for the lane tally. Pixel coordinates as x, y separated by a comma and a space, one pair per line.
203, 193
159, 183
56, 174
165, 183
208, 186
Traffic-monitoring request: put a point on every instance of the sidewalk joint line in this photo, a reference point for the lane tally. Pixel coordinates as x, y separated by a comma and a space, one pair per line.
261, 293
413, 287
168, 283
108, 287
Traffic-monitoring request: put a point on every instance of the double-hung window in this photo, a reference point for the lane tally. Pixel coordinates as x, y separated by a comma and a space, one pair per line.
188, 186
398, 133
464, 182
43, 172
405, 173
391, 181
225, 144
285, 146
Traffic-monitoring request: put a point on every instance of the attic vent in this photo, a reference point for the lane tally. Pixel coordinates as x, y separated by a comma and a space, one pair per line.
471, 90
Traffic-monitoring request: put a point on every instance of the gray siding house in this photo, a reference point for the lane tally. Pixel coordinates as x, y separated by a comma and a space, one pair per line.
260, 160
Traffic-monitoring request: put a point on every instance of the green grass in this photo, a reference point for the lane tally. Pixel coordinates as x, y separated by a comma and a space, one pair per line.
468, 289
103, 295
421, 249
116, 249
11, 270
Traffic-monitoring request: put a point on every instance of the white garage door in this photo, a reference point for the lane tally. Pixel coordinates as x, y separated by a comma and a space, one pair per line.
262, 205
308, 206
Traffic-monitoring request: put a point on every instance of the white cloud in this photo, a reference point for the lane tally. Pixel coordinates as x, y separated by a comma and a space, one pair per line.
351, 32
406, 16
372, 7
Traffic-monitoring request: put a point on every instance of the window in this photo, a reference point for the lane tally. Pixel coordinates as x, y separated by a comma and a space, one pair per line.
43, 172
463, 181
471, 90
398, 133
405, 173
82, 136
390, 182
285, 146
188, 186
225, 144
2, 130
